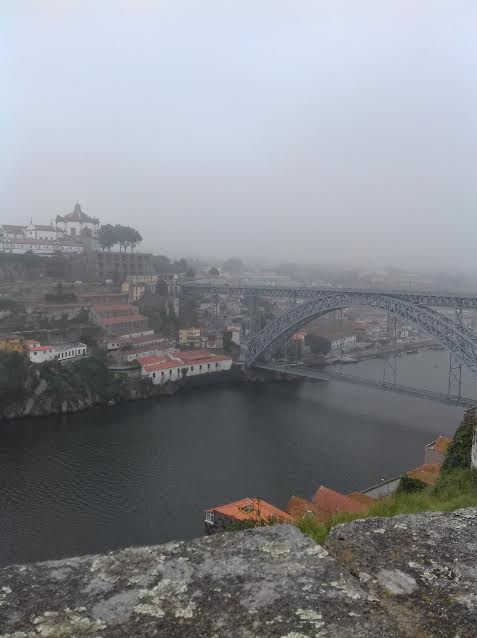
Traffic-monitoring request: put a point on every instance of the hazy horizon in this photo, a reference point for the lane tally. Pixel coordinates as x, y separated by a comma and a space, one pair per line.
276, 130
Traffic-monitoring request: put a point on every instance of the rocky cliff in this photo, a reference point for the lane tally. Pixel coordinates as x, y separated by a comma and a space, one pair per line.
55, 388
410, 576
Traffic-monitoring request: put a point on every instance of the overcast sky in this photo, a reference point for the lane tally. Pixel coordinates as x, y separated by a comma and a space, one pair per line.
336, 130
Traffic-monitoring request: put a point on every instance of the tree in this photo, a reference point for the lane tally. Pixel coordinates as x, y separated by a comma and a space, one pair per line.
122, 236
214, 272
107, 236
234, 265
318, 345
135, 237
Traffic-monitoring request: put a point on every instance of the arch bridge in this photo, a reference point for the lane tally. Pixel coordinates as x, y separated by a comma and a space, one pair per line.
460, 341
311, 303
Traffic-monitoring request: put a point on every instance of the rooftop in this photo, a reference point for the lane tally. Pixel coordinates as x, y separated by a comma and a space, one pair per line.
333, 502
77, 215
440, 444
427, 473
251, 509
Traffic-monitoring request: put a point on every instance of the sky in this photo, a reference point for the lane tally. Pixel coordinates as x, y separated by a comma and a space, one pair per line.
315, 131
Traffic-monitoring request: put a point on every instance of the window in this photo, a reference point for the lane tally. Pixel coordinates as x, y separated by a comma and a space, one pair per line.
209, 517
170, 371
154, 375
216, 365
192, 368
200, 367
162, 373
208, 366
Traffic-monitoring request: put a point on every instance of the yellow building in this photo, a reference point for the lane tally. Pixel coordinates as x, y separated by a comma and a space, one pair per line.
189, 336
11, 343
137, 285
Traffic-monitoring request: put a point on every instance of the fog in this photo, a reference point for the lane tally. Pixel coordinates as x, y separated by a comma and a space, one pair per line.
317, 131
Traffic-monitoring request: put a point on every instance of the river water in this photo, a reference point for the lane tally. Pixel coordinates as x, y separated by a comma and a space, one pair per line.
142, 473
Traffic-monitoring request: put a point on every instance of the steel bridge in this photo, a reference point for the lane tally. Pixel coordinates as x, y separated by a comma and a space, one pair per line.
333, 375
309, 303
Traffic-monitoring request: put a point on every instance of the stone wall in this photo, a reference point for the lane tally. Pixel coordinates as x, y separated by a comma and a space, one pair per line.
383, 578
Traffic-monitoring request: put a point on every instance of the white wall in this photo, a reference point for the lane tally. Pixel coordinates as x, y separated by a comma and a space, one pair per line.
193, 370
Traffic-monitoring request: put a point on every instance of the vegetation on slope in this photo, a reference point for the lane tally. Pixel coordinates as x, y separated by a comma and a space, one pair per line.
456, 487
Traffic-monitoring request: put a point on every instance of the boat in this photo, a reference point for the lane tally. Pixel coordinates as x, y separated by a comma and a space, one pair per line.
412, 351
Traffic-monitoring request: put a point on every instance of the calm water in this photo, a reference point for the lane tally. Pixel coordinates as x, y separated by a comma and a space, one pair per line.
142, 473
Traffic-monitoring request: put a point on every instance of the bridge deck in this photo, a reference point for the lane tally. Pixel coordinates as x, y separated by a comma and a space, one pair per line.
320, 375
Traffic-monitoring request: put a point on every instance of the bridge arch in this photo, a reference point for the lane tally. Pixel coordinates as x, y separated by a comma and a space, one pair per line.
452, 335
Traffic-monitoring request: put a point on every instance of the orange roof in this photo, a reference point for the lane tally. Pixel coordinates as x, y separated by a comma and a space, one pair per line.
250, 509
299, 507
362, 498
427, 473
442, 444
38, 348
122, 319
165, 364
333, 502
104, 294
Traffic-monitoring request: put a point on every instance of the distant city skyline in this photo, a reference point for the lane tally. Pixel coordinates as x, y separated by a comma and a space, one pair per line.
296, 131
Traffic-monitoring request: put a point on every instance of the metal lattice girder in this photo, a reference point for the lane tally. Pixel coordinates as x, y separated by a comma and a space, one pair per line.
444, 300
452, 335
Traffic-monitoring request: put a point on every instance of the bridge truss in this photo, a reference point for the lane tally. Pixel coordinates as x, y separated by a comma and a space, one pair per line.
461, 342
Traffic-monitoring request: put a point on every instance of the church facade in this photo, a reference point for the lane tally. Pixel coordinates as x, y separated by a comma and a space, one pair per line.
72, 233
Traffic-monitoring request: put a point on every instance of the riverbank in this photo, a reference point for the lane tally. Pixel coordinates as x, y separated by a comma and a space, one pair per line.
54, 388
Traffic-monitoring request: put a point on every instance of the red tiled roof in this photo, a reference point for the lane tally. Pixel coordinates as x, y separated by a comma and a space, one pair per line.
77, 215
333, 502
251, 509
38, 348
299, 508
427, 473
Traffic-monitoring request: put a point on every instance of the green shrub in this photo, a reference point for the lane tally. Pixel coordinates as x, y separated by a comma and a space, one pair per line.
459, 450
409, 484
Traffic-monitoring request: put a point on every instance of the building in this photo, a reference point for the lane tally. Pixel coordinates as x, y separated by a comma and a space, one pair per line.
77, 224
133, 322
435, 452
41, 247
64, 352
118, 266
106, 297
11, 343
153, 350
331, 502
70, 234
137, 285
98, 312
189, 337
177, 365
246, 511
344, 342
428, 473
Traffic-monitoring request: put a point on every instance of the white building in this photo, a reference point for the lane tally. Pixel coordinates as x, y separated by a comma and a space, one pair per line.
343, 342
35, 231
64, 352
68, 235
42, 247
78, 224
178, 365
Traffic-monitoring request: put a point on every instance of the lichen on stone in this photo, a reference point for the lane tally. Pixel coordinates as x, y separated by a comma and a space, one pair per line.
66, 624
276, 548
153, 600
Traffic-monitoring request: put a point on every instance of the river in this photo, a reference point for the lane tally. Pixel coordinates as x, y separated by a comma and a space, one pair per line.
142, 473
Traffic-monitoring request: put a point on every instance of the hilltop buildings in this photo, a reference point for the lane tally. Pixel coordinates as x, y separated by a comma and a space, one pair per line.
70, 234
